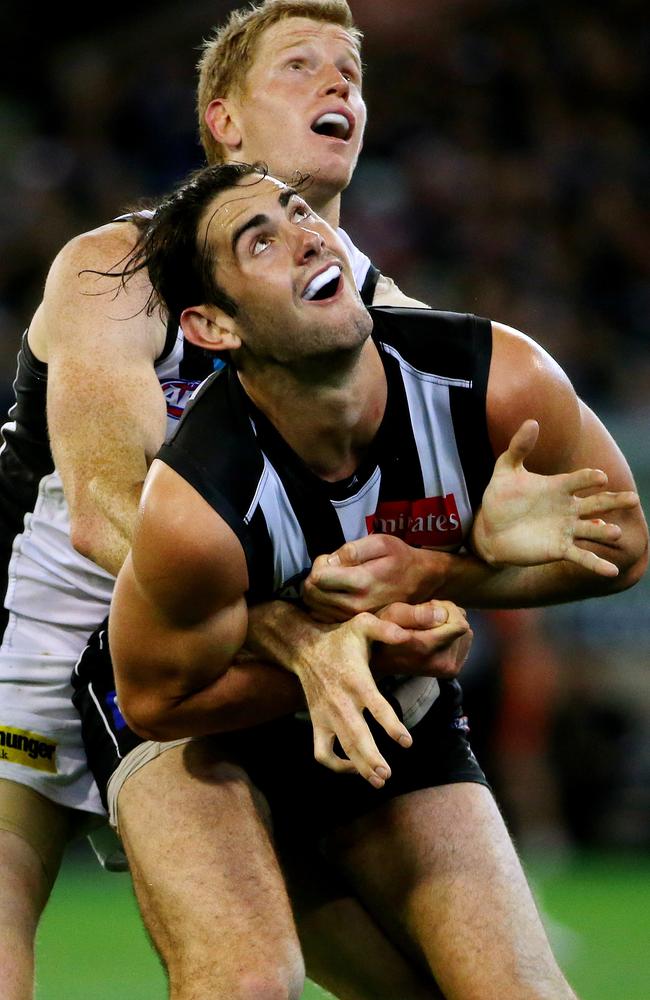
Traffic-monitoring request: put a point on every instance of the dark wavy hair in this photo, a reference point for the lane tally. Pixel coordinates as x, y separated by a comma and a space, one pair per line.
182, 270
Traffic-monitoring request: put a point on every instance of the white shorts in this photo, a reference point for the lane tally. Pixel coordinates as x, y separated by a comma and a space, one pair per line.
40, 730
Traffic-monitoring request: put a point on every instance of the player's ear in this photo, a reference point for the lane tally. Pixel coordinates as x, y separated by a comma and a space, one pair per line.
210, 328
220, 119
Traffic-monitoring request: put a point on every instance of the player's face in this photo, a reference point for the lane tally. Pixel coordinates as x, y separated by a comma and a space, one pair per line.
288, 273
302, 107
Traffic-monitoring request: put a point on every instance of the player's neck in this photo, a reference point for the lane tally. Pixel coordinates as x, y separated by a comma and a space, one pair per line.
328, 206
329, 423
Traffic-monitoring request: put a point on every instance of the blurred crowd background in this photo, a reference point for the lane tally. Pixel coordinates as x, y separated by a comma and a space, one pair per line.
505, 172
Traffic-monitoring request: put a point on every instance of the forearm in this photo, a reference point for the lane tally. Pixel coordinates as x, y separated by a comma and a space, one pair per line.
279, 632
102, 528
247, 694
184, 671
470, 582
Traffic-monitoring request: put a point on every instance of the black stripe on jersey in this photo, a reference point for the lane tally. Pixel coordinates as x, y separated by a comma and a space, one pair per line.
436, 342
308, 495
468, 411
25, 457
367, 290
215, 443
261, 583
196, 363
454, 346
394, 447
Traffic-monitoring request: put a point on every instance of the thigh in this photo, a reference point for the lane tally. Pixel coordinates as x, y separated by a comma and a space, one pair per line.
205, 872
438, 870
345, 949
43, 825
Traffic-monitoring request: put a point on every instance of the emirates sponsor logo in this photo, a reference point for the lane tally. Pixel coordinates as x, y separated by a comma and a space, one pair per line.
433, 521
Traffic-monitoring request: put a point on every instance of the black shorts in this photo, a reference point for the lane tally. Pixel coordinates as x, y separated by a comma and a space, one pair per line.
107, 738
306, 799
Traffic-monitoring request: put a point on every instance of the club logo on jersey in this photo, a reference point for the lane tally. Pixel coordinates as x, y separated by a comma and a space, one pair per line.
433, 521
177, 396
18, 746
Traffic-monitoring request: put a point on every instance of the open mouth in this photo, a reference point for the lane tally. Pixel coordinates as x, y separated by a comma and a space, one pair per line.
333, 125
324, 285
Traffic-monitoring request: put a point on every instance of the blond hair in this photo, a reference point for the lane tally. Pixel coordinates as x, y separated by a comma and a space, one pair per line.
227, 55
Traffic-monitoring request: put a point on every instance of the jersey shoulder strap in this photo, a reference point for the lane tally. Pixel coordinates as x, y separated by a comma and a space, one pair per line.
367, 290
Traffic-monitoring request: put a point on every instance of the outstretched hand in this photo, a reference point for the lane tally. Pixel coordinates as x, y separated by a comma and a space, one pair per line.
528, 519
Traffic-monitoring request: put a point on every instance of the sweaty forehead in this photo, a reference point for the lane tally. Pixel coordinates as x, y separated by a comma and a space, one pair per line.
293, 31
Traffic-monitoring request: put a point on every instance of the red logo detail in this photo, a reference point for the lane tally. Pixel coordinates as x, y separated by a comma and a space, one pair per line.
177, 396
433, 521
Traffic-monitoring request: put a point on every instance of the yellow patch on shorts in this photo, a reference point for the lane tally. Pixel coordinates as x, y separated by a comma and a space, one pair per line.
30, 749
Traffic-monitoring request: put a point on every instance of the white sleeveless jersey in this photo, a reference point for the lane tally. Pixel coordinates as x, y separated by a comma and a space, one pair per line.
47, 580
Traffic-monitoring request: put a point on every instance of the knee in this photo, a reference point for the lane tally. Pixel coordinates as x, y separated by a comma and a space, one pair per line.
282, 982
279, 978
254, 976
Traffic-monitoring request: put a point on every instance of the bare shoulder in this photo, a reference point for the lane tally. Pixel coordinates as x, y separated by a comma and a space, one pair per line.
85, 298
184, 554
526, 382
101, 249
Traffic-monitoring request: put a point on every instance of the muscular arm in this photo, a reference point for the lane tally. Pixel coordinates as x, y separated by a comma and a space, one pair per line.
106, 413
524, 383
178, 616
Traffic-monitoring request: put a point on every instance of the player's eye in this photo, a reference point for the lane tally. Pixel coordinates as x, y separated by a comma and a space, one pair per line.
301, 213
350, 73
260, 244
296, 64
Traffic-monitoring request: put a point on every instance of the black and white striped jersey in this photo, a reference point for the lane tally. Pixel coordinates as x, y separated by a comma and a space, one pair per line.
422, 479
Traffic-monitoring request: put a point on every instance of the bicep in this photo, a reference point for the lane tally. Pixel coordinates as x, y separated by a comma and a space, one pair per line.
179, 612
525, 382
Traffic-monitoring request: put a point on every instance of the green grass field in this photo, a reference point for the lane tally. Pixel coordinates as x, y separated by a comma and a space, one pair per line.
91, 945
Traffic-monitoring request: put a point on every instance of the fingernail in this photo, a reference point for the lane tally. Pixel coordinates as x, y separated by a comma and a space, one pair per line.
424, 615
440, 615
382, 772
376, 782
333, 560
405, 740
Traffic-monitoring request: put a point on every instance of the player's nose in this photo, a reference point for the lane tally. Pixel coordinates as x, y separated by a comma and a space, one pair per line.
309, 244
334, 84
